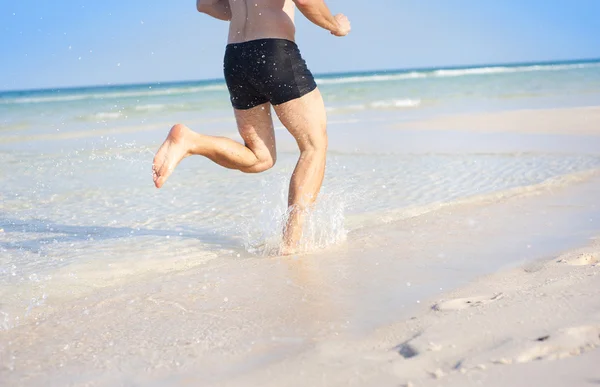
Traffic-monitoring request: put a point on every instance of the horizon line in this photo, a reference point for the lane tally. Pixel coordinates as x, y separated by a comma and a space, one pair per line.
316, 75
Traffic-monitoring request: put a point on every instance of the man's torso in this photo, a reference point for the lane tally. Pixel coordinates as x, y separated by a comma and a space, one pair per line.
259, 19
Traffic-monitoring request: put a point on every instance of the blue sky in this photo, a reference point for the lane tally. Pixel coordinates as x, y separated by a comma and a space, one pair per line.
78, 42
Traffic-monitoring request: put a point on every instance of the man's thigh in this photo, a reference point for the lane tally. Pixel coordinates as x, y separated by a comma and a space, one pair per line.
256, 128
305, 118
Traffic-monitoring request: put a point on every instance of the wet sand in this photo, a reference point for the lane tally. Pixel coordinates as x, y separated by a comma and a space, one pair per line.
538, 324
351, 315
574, 121
494, 289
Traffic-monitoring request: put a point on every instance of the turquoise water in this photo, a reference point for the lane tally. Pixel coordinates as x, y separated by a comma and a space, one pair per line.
415, 92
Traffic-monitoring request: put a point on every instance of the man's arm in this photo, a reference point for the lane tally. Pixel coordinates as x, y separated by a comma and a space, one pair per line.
219, 9
317, 12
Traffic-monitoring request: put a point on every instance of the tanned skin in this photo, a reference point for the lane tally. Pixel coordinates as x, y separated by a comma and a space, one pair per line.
304, 117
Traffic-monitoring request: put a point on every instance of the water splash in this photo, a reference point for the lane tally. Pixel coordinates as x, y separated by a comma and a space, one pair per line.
323, 224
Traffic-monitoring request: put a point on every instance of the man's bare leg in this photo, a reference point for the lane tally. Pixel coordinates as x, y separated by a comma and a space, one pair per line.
306, 120
258, 154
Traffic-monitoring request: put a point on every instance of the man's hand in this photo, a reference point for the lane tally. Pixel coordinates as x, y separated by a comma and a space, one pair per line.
317, 12
343, 25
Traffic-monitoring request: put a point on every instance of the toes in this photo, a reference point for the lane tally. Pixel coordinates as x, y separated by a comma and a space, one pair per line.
159, 180
162, 175
155, 175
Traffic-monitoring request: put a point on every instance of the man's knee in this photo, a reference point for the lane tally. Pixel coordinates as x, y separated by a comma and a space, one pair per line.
315, 142
260, 166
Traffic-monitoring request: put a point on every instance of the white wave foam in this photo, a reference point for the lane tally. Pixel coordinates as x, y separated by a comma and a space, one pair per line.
346, 108
396, 103
384, 104
113, 95
442, 73
370, 78
503, 70
150, 107
62, 98
107, 115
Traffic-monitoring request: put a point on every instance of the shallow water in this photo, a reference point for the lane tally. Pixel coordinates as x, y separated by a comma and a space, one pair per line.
84, 209
219, 321
87, 242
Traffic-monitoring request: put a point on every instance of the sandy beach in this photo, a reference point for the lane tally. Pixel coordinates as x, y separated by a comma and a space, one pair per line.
538, 324
446, 250
328, 319
300, 194
577, 121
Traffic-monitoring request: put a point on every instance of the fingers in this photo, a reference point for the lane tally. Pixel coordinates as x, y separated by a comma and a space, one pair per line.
343, 25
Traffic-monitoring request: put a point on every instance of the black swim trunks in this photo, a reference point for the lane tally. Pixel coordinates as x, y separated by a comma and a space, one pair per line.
265, 70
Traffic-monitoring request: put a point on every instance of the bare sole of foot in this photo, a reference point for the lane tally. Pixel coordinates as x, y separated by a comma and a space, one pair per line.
171, 152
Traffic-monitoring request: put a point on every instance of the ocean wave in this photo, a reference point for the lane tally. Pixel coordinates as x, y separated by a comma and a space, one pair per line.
106, 115
346, 108
112, 95
131, 110
443, 73
150, 107
25, 100
507, 69
396, 103
370, 78
383, 104
133, 92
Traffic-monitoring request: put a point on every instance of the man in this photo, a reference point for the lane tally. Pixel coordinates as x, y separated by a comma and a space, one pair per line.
263, 68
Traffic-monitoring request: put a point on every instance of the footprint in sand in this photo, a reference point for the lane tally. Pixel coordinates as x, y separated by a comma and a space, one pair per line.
565, 343
581, 259
464, 303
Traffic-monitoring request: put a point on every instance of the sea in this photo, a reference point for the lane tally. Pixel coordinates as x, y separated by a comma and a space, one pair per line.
79, 212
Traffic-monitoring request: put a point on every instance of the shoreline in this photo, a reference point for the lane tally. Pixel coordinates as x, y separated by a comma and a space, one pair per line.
538, 323
567, 121
146, 311
287, 321
510, 323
